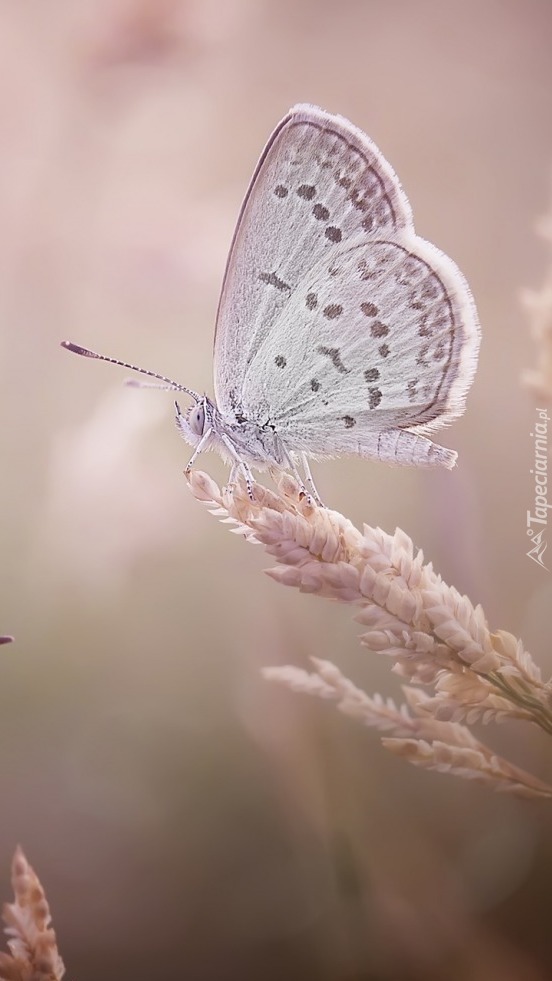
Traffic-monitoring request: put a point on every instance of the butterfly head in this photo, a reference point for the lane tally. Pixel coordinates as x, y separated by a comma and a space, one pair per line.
196, 417
197, 421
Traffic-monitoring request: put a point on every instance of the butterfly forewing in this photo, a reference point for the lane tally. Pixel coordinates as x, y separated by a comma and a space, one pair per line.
320, 184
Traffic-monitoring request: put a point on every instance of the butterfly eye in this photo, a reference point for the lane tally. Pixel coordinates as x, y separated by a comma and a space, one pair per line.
197, 419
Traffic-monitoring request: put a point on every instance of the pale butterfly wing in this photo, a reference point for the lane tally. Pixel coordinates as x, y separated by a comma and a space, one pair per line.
339, 330
320, 183
337, 324
379, 337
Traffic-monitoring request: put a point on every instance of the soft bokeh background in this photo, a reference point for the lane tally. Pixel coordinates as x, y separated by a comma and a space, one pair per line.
187, 819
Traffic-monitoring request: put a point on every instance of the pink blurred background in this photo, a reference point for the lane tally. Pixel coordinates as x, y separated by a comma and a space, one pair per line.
187, 819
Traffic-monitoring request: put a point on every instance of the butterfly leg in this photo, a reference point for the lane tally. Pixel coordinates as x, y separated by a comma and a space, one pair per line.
199, 449
233, 475
238, 465
310, 481
236, 469
289, 463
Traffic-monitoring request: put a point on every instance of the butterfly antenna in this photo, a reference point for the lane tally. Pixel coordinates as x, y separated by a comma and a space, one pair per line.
168, 383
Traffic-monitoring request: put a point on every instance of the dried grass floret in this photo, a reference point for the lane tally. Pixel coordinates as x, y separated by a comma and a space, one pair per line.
31, 940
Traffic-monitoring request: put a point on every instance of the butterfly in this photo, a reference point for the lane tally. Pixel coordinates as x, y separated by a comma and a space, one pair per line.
339, 332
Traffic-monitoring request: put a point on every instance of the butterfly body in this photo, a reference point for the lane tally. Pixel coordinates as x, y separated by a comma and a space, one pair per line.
236, 439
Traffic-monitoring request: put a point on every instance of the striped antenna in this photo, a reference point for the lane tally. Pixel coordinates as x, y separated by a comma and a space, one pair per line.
168, 383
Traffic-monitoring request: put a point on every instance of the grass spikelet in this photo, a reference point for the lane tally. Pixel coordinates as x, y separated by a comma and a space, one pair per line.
31, 940
435, 636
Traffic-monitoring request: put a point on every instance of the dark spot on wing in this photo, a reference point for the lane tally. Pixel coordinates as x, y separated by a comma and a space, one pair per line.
384, 350
349, 422
429, 326
306, 191
374, 398
271, 279
377, 329
333, 234
411, 271
315, 384
281, 191
343, 179
426, 329
371, 375
369, 309
280, 361
334, 354
332, 311
320, 212
431, 289
358, 199
368, 271
312, 301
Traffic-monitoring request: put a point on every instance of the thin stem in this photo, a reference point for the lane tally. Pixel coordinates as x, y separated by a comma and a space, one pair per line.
541, 716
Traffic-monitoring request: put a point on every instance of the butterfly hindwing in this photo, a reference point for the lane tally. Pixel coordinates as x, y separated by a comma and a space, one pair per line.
380, 336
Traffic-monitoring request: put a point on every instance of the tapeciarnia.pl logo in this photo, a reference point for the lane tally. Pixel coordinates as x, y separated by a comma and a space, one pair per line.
537, 519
